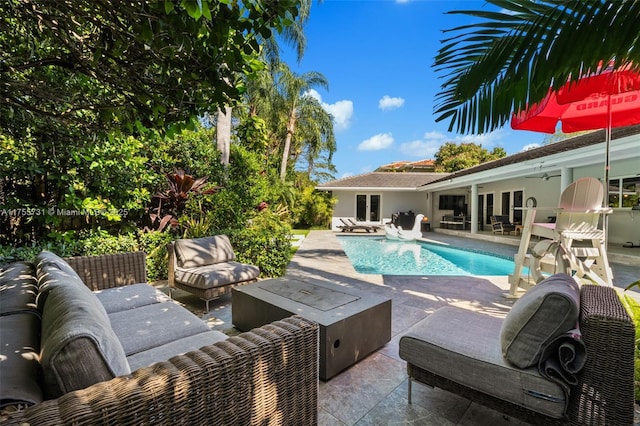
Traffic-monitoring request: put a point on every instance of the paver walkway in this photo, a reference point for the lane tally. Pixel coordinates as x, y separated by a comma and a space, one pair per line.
374, 391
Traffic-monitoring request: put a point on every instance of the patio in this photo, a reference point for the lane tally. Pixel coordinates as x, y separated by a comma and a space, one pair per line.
374, 391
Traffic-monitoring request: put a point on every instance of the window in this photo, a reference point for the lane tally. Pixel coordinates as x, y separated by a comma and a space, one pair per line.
518, 197
624, 192
453, 202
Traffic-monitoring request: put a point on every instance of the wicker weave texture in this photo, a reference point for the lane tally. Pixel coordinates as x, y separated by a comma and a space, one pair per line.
604, 394
110, 270
268, 376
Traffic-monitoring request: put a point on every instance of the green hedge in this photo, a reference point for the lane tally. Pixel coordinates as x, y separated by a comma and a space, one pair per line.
268, 248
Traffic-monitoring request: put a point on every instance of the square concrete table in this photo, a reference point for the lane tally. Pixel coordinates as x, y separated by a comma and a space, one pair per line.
352, 324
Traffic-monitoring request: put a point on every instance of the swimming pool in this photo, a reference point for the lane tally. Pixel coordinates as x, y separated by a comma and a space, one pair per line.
391, 257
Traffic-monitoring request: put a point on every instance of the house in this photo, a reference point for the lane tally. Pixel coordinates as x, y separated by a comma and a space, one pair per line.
504, 186
374, 197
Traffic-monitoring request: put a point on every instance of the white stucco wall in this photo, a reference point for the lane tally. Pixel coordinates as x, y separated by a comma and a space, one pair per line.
390, 202
624, 223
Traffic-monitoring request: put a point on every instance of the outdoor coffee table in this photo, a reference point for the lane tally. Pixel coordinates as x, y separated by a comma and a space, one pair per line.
352, 324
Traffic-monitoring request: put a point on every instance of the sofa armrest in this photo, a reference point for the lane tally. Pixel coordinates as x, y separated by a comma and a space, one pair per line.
604, 394
268, 375
110, 270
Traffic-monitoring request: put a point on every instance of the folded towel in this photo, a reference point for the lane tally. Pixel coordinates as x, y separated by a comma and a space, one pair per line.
562, 358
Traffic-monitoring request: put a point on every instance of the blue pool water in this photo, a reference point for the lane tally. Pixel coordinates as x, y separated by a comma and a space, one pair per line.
391, 257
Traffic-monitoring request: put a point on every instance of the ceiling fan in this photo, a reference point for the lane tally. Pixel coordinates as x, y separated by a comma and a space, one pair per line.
545, 176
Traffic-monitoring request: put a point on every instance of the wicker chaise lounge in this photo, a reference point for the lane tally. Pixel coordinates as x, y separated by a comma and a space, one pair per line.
603, 395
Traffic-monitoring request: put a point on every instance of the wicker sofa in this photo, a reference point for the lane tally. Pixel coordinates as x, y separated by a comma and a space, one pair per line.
125, 354
467, 353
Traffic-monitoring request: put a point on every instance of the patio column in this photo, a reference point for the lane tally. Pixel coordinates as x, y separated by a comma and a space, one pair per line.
474, 208
566, 177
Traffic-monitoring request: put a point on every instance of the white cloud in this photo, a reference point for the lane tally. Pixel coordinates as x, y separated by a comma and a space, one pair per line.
487, 140
431, 142
377, 142
425, 147
388, 102
530, 146
342, 111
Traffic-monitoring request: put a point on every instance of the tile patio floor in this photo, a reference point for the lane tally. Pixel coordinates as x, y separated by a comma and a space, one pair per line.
374, 391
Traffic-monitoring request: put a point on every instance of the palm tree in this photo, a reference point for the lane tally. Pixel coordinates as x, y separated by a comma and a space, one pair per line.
511, 56
315, 131
296, 103
292, 34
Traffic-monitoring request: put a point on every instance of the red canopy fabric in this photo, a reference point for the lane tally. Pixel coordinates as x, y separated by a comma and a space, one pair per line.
584, 105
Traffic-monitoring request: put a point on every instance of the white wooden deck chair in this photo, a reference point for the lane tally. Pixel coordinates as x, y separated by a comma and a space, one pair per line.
577, 219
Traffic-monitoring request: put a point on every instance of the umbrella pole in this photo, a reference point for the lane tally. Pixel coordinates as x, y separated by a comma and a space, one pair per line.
607, 144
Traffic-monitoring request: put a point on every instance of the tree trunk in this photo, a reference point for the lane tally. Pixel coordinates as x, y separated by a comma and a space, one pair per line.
223, 134
287, 144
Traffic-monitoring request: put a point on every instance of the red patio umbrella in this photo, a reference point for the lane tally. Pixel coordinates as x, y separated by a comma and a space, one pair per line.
602, 100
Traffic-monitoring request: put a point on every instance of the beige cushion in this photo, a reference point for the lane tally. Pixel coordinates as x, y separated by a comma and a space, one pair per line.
217, 275
191, 253
544, 312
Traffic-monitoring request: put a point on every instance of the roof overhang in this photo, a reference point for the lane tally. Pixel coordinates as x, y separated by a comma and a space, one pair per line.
623, 148
366, 189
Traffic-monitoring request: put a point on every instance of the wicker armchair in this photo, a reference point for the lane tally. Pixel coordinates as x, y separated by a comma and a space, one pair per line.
604, 394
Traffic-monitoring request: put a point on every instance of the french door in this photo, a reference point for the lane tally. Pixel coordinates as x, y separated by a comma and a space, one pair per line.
518, 203
368, 207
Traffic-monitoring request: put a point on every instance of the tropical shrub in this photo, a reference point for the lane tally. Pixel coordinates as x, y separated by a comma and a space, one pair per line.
154, 244
317, 208
171, 202
265, 243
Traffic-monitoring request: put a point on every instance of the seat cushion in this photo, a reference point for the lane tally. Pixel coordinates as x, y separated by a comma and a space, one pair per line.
191, 253
19, 364
176, 347
217, 275
464, 346
18, 288
150, 326
127, 297
543, 313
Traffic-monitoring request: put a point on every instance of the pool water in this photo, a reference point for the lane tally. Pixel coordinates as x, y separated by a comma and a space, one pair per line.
392, 257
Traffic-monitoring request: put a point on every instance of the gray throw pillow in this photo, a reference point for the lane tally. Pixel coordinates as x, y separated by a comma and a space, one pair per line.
78, 346
53, 271
544, 312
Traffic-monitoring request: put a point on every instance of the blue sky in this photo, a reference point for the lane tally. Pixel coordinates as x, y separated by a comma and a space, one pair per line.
377, 56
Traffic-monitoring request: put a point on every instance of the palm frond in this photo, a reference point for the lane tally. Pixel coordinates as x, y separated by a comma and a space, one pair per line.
510, 57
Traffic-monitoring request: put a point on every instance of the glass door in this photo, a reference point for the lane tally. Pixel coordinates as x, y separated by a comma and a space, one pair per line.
488, 209
368, 207
518, 203
505, 205
480, 208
